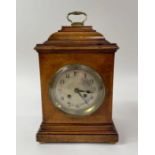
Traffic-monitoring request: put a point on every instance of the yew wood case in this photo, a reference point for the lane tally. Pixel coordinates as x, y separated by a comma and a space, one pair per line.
76, 45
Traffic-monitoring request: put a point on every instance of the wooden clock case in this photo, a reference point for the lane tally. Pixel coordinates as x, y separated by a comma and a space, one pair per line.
76, 45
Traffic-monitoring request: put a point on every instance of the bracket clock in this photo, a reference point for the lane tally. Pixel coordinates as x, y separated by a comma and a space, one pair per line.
76, 71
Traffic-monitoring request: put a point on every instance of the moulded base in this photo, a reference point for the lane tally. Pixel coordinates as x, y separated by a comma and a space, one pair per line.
92, 133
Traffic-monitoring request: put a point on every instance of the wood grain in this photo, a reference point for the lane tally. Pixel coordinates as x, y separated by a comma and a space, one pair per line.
76, 45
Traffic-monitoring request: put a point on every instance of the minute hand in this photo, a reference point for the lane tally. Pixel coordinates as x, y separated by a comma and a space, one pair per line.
87, 91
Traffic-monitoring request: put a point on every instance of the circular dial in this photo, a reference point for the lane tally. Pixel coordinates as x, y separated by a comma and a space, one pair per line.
77, 89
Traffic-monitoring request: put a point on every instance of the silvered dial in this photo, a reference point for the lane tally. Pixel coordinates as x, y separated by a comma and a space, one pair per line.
77, 90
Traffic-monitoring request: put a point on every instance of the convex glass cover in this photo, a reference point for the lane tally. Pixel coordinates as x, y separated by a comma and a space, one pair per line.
77, 89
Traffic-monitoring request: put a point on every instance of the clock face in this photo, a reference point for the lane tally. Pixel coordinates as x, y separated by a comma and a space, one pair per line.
77, 90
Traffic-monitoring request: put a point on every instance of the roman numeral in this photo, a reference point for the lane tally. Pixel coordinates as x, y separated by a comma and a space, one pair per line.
75, 73
85, 75
67, 76
62, 81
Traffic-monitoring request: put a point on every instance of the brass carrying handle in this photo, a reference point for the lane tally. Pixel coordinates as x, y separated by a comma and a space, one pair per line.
77, 13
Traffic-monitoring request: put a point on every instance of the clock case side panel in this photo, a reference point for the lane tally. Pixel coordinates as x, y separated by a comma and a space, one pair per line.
43, 107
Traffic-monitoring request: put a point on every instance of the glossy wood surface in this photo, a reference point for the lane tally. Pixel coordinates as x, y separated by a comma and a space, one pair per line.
78, 45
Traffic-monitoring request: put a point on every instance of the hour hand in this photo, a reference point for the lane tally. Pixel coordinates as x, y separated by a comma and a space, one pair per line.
79, 90
76, 90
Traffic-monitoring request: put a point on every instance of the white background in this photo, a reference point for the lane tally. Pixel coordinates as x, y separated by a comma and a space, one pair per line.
36, 20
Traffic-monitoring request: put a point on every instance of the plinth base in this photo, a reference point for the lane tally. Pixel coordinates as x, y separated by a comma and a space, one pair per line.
93, 133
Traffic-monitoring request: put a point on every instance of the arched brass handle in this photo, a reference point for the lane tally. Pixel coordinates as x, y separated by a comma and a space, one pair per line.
77, 13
